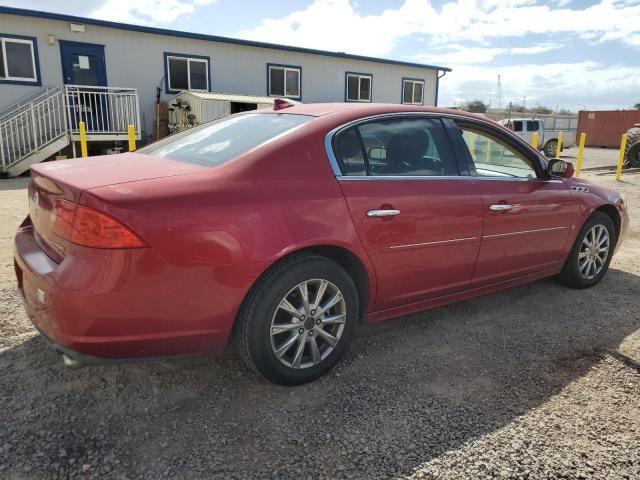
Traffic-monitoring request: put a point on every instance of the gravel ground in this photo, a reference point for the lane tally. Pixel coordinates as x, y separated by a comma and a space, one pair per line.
535, 382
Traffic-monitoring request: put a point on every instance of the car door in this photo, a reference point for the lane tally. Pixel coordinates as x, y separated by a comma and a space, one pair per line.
527, 216
418, 218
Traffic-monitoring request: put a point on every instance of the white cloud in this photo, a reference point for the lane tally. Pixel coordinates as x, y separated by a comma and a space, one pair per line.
566, 84
455, 54
535, 49
336, 25
153, 12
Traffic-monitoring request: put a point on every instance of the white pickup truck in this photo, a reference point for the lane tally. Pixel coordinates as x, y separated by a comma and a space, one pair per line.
547, 129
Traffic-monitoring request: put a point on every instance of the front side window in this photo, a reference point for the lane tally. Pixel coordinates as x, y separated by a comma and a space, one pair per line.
214, 143
493, 157
396, 147
284, 81
358, 87
187, 73
412, 91
18, 60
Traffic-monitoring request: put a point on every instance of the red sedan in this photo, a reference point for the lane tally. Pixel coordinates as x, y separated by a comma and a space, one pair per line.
283, 229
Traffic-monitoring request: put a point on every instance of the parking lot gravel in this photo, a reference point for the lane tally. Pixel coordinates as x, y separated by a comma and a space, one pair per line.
539, 381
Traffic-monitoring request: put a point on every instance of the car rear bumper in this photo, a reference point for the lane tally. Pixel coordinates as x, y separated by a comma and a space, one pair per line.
122, 304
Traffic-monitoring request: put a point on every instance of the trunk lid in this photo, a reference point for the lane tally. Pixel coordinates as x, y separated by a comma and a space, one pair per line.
67, 179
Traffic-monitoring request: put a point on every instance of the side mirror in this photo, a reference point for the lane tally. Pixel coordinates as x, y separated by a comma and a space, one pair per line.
560, 169
377, 153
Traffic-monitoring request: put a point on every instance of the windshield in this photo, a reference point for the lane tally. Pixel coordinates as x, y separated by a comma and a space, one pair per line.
217, 142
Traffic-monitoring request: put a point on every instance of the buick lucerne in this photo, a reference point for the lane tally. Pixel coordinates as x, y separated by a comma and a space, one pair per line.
280, 230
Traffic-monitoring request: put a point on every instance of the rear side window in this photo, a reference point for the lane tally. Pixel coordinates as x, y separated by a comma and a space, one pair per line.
217, 142
517, 125
396, 147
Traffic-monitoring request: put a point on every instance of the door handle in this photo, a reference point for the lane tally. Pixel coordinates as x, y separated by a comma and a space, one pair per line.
500, 207
383, 213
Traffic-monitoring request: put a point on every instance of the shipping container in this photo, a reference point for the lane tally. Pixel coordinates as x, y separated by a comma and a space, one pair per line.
605, 128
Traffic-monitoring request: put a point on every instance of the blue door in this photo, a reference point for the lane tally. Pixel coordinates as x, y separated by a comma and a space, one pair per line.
83, 64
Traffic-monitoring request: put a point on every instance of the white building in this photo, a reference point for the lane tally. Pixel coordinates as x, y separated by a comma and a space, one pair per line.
109, 74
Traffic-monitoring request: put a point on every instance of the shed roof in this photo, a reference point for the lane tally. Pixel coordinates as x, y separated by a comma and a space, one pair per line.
211, 38
232, 97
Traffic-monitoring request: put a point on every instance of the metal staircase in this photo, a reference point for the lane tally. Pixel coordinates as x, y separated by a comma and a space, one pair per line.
44, 123
33, 130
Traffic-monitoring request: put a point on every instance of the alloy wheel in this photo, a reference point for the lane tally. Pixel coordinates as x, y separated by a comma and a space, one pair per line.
308, 323
594, 251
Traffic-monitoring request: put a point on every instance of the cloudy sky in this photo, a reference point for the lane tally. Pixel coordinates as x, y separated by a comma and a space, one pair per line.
567, 53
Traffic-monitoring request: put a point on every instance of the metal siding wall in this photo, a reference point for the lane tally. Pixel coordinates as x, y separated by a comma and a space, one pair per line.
135, 60
605, 129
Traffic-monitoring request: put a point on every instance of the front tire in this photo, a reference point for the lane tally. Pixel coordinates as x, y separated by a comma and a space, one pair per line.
591, 253
550, 148
298, 319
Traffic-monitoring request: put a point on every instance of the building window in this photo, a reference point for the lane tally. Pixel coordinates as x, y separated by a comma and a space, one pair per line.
18, 59
185, 72
283, 81
358, 87
412, 91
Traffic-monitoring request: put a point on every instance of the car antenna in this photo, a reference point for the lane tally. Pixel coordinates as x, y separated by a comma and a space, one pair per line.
279, 104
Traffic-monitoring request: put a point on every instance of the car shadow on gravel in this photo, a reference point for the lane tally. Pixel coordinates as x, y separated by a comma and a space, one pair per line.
408, 391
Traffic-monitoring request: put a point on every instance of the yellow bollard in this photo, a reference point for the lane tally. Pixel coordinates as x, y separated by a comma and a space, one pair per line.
132, 138
559, 145
583, 139
472, 144
83, 140
535, 140
623, 146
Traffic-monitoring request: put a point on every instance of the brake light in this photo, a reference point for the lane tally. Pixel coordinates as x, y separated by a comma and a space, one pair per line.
91, 228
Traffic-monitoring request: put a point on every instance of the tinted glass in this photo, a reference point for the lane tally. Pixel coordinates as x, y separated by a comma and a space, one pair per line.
365, 88
276, 81
517, 126
215, 143
19, 60
198, 73
533, 125
493, 158
292, 83
407, 96
178, 79
2, 72
349, 151
417, 93
85, 70
408, 147
352, 87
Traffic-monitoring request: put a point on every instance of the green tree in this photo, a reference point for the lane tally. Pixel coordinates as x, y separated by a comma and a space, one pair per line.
541, 109
474, 106
637, 105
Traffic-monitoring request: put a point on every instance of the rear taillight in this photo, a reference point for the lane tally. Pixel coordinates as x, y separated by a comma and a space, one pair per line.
91, 228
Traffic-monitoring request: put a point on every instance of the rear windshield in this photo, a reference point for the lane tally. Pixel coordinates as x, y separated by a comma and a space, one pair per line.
217, 142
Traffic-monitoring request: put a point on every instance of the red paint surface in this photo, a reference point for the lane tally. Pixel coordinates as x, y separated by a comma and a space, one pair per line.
605, 128
212, 232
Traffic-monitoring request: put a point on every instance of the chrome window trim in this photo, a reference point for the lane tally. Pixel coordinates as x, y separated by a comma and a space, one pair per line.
335, 166
349, 178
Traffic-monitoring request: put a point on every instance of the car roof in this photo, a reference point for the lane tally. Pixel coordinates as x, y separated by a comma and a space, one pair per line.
347, 110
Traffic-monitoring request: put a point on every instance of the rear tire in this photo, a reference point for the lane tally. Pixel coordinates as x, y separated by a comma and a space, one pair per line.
291, 346
632, 150
587, 262
550, 148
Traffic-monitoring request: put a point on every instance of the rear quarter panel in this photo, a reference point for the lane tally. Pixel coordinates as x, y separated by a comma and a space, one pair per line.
270, 202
